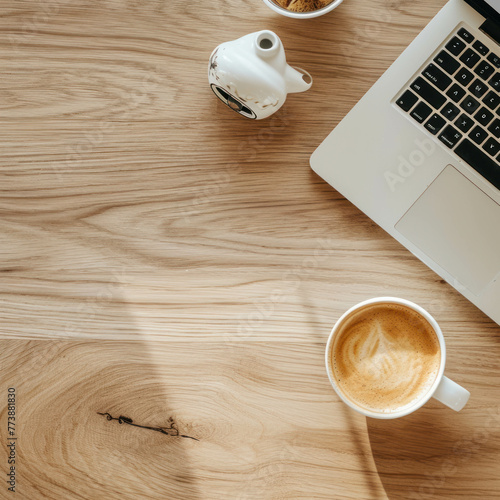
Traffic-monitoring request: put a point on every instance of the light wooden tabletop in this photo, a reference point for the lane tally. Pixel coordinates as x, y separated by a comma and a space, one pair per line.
166, 261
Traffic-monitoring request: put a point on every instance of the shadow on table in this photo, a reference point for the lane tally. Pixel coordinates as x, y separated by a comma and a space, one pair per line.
424, 455
95, 417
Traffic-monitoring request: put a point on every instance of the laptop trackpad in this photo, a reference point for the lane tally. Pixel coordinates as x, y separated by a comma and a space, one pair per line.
458, 226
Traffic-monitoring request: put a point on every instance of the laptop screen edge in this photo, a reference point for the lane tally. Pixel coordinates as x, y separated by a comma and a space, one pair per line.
490, 9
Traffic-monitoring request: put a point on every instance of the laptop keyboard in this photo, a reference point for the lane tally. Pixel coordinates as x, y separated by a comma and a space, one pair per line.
456, 98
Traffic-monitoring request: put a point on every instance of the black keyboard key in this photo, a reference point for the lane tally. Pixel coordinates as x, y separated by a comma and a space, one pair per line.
465, 35
435, 124
478, 88
482, 49
479, 161
483, 116
407, 100
450, 111
448, 63
427, 92
484, 70
455, 46
455, 92
469, 104
470, 58
450, 136
491, 146
464, 76
464, 122
491, 99
494, 128
494, 59
478, 134
436, 76
495, 81
420, 112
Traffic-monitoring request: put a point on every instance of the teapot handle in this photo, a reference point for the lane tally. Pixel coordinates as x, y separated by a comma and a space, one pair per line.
298, 79
306, 76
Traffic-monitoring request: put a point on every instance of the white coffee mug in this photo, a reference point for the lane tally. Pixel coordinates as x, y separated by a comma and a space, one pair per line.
443, 389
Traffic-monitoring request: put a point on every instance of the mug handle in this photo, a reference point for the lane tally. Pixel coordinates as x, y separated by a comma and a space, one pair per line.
451, 394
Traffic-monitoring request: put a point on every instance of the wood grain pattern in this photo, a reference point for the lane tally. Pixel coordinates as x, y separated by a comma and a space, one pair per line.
162, 258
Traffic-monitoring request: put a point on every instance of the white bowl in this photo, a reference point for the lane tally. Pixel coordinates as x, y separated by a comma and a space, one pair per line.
302, 15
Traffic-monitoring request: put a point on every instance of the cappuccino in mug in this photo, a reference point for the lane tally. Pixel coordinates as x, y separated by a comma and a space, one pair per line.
384, 357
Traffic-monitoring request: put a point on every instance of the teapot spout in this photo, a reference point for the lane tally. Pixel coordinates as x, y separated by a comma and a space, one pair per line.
297, 80
268, 45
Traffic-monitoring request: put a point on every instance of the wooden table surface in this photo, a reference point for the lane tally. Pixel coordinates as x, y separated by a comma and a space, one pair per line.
166, 261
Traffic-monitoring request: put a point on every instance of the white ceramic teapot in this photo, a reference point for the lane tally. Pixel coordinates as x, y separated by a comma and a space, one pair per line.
252, 77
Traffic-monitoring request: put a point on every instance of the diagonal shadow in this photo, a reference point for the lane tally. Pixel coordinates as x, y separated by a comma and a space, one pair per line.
67, 387
436, 454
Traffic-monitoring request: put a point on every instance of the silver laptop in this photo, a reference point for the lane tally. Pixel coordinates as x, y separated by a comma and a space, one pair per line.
420, 152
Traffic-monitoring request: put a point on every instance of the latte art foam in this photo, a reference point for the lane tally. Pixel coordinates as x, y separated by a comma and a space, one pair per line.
385, 357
